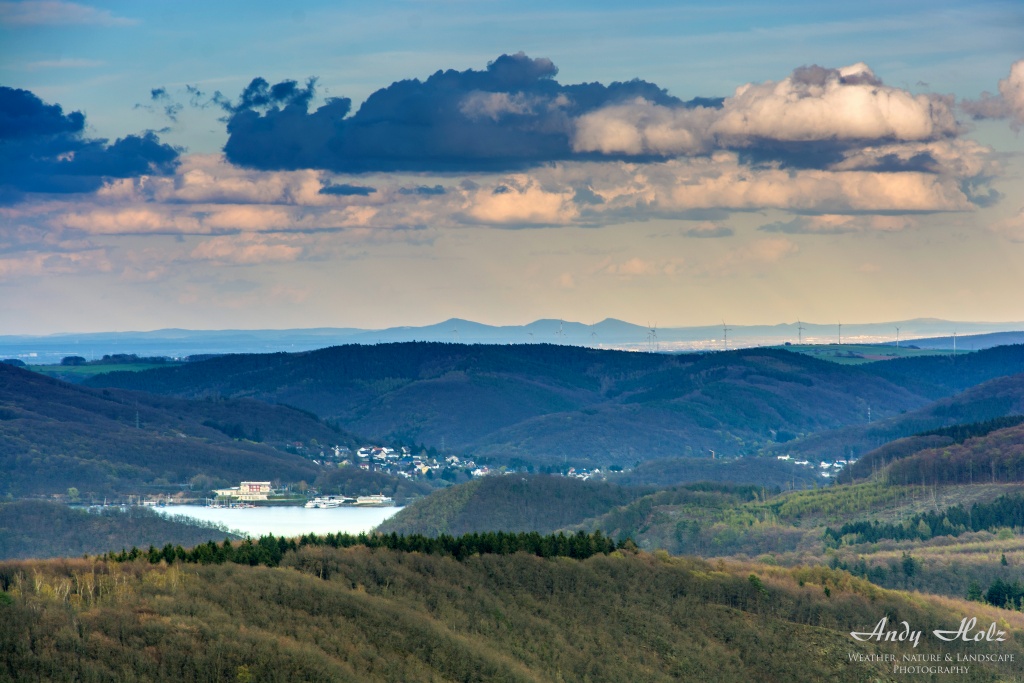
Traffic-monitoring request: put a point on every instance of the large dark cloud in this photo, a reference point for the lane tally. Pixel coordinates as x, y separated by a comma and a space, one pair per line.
512, 115
42, 149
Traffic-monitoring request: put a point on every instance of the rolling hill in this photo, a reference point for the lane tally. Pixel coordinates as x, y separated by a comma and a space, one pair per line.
39, 529
545, 403
377, 614
54, 436
996, 398
511, 503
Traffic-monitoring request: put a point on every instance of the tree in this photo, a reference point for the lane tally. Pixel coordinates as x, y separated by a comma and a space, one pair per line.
909, 565
73, 494
72, 360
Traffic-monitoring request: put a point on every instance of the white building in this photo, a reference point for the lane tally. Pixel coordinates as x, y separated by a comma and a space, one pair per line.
247, 490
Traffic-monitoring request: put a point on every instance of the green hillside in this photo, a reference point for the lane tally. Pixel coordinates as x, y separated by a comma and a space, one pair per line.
993, 399
358, 614
510, 503
54, 436
941, 375
544, 403
39, 529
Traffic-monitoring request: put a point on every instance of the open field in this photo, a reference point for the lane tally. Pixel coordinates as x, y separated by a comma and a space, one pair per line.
858, 354
77, 373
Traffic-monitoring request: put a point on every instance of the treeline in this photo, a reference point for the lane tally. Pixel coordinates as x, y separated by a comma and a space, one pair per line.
270, 550
1004, 511
961, 432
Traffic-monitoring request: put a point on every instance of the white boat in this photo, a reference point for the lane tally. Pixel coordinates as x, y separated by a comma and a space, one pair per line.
325, 502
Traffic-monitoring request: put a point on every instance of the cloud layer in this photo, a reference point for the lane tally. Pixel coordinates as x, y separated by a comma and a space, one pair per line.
506, 147
515, 115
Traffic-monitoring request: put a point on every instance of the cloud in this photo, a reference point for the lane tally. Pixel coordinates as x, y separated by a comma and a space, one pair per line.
128, 221
1012, 90
1011, 228
38, 264
54, 12
259, 95
65, 63
638, 267
642, 127
808, 119
42, 149
829, 224
566, 281
821, 140
816, 104
1009, 103
422, 190
346, 190
511, 116
246, 250
753, 257
686, 186
519, 201
708, 230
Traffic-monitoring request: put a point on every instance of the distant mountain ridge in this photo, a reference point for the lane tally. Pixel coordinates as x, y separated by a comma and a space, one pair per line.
608, 333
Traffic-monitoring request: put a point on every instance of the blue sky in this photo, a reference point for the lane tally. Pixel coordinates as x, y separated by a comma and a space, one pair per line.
883, 185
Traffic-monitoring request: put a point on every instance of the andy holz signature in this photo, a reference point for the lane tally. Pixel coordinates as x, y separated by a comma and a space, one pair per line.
966, 633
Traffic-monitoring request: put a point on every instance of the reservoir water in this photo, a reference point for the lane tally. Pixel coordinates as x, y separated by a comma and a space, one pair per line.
286, 521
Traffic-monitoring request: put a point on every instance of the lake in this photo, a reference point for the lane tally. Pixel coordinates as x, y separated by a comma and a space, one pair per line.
286, 521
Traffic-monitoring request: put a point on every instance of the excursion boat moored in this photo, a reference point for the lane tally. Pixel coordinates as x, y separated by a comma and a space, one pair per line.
327, 502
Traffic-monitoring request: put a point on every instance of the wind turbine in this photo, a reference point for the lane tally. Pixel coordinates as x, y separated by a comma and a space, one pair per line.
840, 333
455, 335
652, 337
560, 334
725, 336
799, 331
897, 337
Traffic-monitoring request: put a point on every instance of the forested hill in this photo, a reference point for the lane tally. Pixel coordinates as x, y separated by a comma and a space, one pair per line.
510, 503
54, 436
997, 398
938, 376
987, 452
546, 401
361, 614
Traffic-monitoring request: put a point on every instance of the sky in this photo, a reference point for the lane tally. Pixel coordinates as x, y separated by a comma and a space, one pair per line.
338, 164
